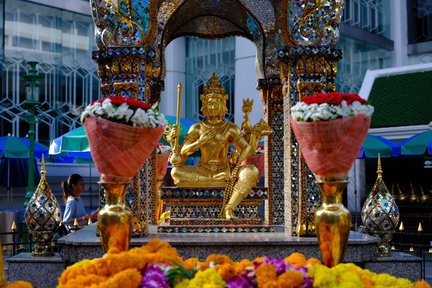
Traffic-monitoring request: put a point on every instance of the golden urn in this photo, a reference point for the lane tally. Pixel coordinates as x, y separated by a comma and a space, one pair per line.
380, 214
43, 216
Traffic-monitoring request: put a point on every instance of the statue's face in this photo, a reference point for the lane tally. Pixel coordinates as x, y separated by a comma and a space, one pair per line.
214, 107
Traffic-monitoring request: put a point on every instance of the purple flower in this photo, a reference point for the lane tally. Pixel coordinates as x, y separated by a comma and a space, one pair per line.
308, 282
280, 265
154, 277
240, 282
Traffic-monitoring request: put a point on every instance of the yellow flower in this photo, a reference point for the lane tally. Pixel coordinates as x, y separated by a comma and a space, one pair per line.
183, 283
209, 278
323, 276
19, 284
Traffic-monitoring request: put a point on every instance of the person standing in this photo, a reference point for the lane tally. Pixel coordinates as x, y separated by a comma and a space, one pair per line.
74, 206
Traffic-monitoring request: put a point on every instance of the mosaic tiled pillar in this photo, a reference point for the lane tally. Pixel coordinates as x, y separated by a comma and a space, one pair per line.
306, 71
271, 96
152, 93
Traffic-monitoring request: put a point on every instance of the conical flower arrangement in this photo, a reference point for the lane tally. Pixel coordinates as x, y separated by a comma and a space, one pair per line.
43, 216
122, 133
330, 129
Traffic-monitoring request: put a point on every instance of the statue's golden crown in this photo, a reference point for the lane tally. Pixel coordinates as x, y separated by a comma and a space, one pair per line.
214, 89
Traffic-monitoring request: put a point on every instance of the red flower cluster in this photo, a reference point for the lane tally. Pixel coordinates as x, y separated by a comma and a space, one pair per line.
333, 98
118, 100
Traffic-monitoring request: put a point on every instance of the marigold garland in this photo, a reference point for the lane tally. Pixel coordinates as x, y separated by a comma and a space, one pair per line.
126, 269
19, 284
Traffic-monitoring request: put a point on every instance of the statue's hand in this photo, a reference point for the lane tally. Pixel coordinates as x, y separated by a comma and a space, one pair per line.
176, 159
171, 134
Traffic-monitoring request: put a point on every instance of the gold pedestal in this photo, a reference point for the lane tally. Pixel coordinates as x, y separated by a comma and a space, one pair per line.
332, 220
43, 240
115, 219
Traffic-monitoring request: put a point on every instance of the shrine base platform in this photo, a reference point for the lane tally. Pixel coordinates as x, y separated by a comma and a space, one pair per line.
84, 244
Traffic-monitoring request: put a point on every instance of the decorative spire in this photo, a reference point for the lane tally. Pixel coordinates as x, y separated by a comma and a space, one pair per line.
379, 185
43, 183
379, 168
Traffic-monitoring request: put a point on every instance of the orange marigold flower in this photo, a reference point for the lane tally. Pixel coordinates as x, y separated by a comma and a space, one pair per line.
296, 259
227, 271
242, 265
270, 284
83, 281
265, 273
130, 278
19, 284
290, 279
313, 261
216, 259
191, 263
422, 284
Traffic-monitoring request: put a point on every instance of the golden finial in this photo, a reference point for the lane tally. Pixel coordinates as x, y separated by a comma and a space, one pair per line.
43, 183
413, 197
43, 169
430, 250
401, 227
411, 249
393, 248
424, 197
75, 222
379, 185
420, 227
401, 196
13, 227
89, 222
379, 168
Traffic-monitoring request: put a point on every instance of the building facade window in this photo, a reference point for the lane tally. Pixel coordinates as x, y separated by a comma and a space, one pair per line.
61, 41
358, 57
419, 21
370, 15
203, 57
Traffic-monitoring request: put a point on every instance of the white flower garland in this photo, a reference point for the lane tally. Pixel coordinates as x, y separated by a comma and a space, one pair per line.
324, 112
123, 114
161, 149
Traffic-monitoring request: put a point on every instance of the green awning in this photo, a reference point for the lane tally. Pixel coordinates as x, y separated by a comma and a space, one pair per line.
402, 100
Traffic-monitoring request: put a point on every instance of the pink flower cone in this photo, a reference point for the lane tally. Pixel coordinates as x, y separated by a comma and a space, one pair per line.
330, 147
119, 150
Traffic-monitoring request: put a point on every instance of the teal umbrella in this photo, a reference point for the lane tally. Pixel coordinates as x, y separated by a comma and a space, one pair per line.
374, 145
417, 144
72, 144
16, 147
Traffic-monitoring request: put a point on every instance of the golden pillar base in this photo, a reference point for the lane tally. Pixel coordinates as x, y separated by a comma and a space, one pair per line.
332, 220
43, 246
114, 221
